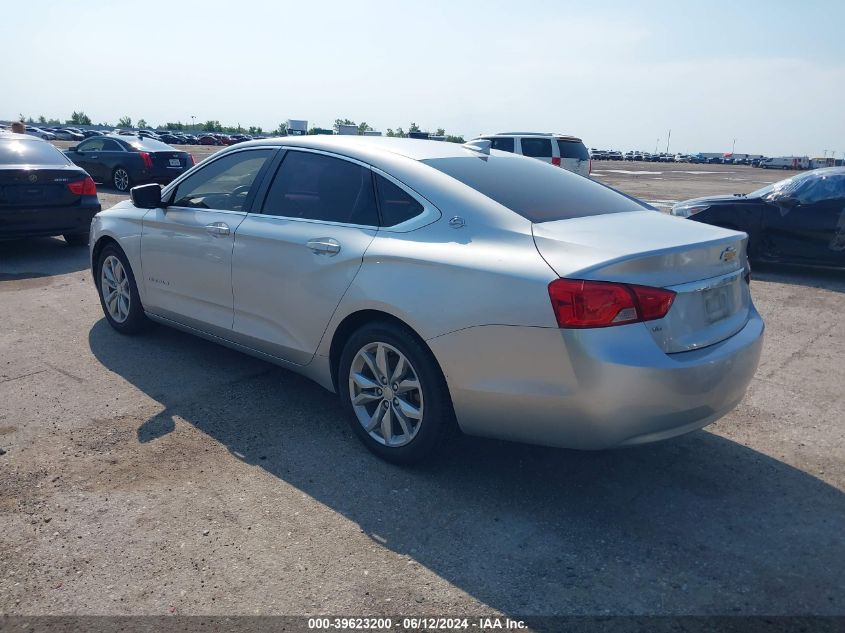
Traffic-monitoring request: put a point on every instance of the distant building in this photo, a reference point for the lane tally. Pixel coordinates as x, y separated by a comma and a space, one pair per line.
297, 127
347, 130
372, 133
424, 135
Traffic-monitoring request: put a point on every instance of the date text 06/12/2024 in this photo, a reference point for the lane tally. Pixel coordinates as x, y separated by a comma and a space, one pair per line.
414, 624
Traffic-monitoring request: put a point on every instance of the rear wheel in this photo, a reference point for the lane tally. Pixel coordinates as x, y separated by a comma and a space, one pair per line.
76, 239
396, 396
121, 179
118, 292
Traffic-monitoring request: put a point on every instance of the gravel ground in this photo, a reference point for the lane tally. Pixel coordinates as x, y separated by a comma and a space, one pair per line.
163, 474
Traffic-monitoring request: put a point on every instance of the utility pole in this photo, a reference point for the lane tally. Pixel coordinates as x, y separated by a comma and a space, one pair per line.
655, 145
733, 147
667, 141
193, 122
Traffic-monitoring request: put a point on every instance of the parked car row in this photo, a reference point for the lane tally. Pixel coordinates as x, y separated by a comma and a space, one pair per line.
663, 157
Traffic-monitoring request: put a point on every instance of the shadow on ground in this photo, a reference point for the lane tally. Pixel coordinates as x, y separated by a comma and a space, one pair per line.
699, 525
30, 258
827, 279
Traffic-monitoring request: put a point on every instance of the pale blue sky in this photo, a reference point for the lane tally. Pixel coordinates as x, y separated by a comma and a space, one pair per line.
619, 74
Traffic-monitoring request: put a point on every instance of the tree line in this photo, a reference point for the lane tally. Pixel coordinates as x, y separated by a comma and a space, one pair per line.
80, 118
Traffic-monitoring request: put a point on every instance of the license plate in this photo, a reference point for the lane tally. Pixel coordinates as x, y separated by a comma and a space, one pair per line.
717, 303
174, 162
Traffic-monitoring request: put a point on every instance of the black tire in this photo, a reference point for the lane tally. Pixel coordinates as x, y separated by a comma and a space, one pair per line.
438, 419
120, 179
136, 321
76, 239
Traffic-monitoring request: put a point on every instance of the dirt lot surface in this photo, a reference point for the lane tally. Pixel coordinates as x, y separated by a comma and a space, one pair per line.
163, 474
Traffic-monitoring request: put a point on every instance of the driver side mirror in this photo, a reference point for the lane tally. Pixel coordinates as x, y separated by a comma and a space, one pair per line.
146, 196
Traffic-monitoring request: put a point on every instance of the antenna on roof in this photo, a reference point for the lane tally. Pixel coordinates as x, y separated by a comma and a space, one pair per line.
480, 145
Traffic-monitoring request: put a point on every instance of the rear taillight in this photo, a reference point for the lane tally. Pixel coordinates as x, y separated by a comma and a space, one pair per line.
148, 160
579, 303
556, 161
83, 187
191, 159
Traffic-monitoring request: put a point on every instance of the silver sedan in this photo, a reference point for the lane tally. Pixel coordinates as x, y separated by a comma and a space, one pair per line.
437, 286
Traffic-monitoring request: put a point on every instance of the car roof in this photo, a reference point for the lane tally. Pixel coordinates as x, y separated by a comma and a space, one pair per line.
565, 137
14, 136
362, 147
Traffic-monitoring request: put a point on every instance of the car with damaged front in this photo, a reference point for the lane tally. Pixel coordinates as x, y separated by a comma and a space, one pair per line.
798, 220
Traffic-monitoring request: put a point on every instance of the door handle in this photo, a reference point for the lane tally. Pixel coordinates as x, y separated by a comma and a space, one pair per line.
218, 229
324, 246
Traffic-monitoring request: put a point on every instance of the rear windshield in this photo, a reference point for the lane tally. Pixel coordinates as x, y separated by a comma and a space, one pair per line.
150, 145
35, 152
535, 190
572, 149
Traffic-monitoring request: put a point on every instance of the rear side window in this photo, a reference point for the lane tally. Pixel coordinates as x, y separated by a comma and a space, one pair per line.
318, 187
111, 146
94, 145
537, 147
535, 190
572, 149
395, 204
504, 144
14, 152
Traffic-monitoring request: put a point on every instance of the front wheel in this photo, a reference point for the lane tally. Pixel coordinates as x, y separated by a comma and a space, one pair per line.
121, 179
396, 396
118, 292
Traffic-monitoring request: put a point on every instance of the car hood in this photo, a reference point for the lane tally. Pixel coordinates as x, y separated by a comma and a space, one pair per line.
711, 200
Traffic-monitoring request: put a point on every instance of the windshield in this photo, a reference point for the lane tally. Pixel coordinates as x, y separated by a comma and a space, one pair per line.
33, 152
535, 190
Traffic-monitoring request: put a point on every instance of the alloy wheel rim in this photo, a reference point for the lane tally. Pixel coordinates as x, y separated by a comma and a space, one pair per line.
386, 394
114, 285
121, 179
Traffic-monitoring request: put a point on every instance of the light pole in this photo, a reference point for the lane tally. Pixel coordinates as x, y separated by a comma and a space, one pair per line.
667, 141
193, 122
655, 145
733, 147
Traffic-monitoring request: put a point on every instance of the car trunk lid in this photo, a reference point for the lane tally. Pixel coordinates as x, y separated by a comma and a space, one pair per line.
177, 161
37, 187
704, 265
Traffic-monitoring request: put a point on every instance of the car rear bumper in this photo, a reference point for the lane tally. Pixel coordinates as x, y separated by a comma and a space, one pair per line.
591, 389
31, 222
160, 175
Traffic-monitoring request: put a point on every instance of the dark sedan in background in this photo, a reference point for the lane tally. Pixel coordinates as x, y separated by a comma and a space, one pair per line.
125, 161
800, 220
42, 192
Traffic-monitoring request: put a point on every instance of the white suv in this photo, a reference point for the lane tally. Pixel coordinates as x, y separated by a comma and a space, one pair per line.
564, 151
